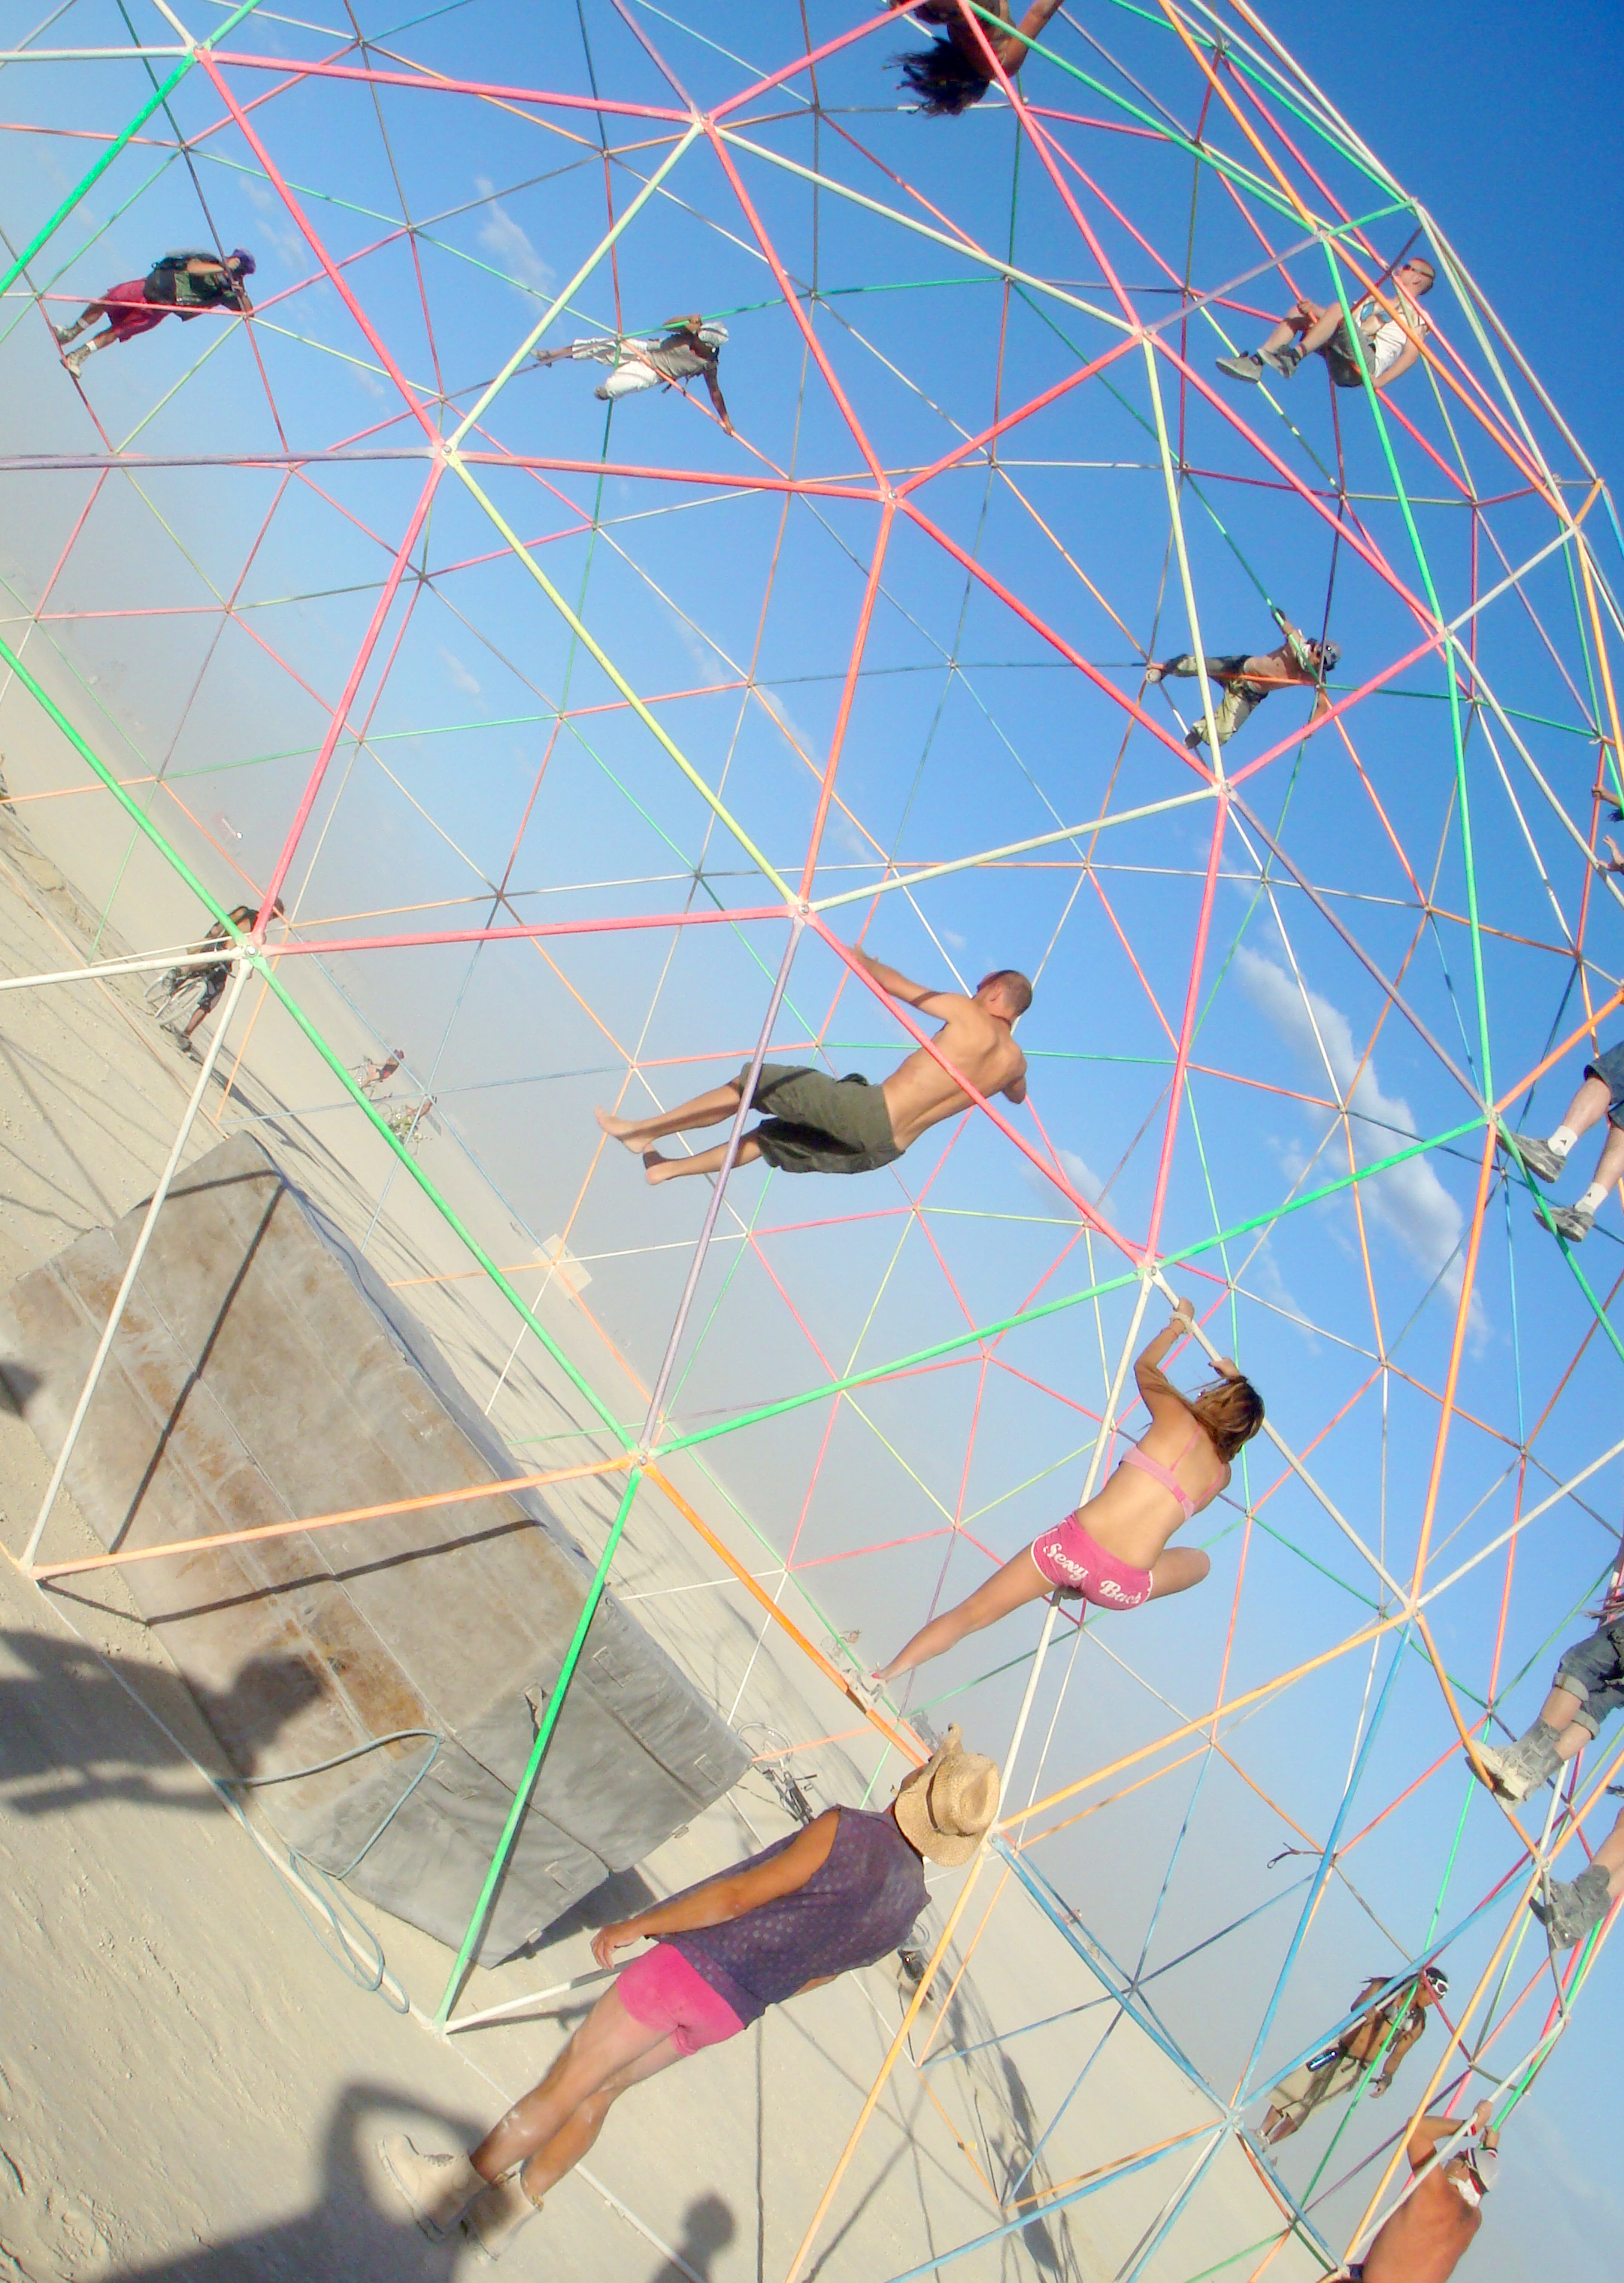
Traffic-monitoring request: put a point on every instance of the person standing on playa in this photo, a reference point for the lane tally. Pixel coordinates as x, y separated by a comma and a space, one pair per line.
215, 978
840, 1894
183, 285
1114, 1552
1602, 1095
821, 1124
1422, 2239
1338, 2068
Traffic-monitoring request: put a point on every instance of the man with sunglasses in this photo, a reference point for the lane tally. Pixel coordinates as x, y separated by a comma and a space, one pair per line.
1243, 683
1390, 330
1423, 2237
1336, 2071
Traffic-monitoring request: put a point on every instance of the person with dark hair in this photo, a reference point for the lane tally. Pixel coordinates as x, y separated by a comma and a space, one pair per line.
1338, 2070
1601, 1095
953, 72
1300, 663
183, 285
1390, 332
1114, 1552
1423, 2237
816, 1124
839, 1894
691, 350
215, 978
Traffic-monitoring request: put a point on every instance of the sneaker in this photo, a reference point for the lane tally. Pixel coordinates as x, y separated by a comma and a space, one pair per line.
1285, 362
497, 2214
1537, 1156
1246, 364
1576, 1905
1570, 1222
439, 2189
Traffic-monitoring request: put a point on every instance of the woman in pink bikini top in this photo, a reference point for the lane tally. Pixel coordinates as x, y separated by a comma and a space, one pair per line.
1114, 1552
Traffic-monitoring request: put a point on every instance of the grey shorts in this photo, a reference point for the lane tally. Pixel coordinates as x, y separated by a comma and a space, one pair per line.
1610, 1069
1594, 1670
817, 1124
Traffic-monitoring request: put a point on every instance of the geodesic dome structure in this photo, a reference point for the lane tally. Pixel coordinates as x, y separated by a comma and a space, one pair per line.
583, 740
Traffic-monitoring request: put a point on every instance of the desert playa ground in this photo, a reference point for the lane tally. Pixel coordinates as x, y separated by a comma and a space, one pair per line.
202, 2048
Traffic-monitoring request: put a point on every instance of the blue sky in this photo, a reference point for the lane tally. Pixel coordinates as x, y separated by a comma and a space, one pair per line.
967, 731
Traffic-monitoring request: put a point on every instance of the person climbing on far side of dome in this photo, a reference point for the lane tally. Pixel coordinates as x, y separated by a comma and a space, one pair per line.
841, 1893
1602, 1095
1390, 337
1384, 2031
183, 285
689, 350
953, 72
816, 1124
1298, 664
1114, 1552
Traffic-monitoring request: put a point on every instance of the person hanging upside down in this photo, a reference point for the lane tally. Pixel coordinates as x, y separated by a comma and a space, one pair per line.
816, 1124
1390, 342
1114, 1552
690, 348
183, 285
841, 1893
1602, 1095
953, 72
1298, 664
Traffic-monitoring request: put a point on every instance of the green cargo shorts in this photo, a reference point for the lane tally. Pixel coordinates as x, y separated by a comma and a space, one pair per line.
816, 1124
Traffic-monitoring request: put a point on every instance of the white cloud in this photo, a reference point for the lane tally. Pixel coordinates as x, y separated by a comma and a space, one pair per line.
1078, 1172
277, 225
508, 243
1409, 1200
460, 675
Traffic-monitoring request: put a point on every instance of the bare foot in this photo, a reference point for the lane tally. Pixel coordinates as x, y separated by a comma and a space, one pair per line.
619, 1129
659, 1169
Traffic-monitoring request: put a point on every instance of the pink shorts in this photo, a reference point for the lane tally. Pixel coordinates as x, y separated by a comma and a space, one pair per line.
663, 1991
1077, 1564
127, 310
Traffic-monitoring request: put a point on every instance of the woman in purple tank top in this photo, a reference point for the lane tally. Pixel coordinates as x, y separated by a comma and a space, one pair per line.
1114, 1552
840, 1894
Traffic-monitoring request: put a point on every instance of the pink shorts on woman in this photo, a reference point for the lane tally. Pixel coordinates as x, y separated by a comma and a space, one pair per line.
1068, 1557
664, 1992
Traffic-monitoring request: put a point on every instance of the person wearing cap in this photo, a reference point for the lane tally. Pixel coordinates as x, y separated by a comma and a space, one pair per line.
183, 285
1298, 663
1423, 2237
1338, 2068
690, 348
841, 1893
1388, 323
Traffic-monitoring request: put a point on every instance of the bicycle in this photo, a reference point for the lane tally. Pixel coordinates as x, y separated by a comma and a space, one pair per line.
173, 996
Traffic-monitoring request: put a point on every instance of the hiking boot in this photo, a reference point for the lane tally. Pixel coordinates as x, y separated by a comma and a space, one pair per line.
1286, 360
1537, 1156
1523, 1767
439, 2189
1575, 1906
1246, 364
1571, 1221
495, 2217
65, 333
75, 361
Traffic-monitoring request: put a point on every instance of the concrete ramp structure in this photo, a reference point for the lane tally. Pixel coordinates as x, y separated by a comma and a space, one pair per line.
392, 1673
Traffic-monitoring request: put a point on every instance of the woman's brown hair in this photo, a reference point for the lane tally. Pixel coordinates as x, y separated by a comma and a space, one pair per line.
1231, 1412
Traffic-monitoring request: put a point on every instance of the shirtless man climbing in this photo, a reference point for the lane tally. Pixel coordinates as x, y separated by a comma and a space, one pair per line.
816, 1124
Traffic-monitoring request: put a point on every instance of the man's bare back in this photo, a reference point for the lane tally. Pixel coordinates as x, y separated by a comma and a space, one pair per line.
975, 1037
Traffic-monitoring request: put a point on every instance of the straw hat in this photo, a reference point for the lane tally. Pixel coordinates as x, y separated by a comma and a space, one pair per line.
944, 1807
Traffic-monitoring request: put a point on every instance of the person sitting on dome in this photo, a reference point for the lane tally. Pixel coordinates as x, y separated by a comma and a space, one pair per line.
821, 1124
183, 285
1602, 1095
690, 347
1298, 664
1589, 1685
1577, 1907
1114, 1552
953, 72
841, 1893
1390, 337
